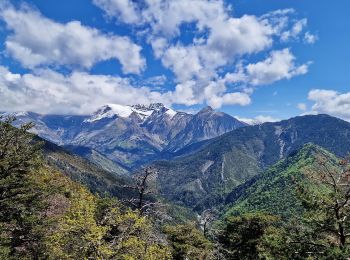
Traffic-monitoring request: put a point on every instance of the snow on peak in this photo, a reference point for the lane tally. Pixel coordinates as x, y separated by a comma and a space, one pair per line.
15, 114
171, 113
143, 111
152, 107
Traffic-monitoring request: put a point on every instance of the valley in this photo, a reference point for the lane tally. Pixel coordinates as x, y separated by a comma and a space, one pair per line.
214, 168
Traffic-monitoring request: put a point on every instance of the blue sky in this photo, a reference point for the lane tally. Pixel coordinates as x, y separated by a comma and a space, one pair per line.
255, 59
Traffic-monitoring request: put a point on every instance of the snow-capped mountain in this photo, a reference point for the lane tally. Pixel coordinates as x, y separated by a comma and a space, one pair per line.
142, 111
131, 135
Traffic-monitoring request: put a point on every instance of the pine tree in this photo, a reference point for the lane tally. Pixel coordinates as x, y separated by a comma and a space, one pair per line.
20, 203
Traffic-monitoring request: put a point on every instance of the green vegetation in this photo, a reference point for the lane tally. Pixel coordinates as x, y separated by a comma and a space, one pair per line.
204, 179
297, 209
250, 236
274, 191
45, 215
308, 193
188, 242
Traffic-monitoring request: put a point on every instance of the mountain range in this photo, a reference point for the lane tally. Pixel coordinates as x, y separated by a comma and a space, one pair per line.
203, 160
130, 136
205, 178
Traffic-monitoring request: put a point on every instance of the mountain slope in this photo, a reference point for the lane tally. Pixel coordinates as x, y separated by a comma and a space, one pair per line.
97, 158
131, 136
204, 178
205, 125
274, 191
85, 172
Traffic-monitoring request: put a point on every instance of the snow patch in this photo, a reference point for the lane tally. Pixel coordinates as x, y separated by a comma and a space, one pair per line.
143, 111
171, 113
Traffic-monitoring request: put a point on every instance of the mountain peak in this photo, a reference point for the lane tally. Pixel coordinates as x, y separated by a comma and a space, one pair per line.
207, 109
152, 106
125, 111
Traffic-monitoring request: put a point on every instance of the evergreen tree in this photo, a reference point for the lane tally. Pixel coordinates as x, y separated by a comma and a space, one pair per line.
188, 242
20, 201
248, 236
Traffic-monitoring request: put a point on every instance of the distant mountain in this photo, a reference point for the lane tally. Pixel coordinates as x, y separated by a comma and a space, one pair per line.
206, 177
134, 135
205, 125
274, 191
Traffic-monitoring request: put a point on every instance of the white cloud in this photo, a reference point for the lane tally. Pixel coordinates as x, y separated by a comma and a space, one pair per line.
184, 94
35, 41
216, 95
280, 64
295, 31
234, 98
155, 80
204, 67
166, 16
257, 120
330, 102
228, 38
310, 38
184, 62
302, 106
219, 40
47, 91
124, 10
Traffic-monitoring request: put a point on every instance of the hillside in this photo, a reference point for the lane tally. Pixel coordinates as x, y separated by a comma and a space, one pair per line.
274, 191
85, 172
205, 178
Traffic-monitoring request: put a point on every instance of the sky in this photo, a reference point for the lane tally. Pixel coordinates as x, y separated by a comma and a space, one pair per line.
258, 60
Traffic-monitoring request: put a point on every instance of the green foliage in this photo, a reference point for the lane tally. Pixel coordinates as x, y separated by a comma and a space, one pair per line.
250, 236
188, 242
20, 198
45, 215
275, 191
327, 206
299, 189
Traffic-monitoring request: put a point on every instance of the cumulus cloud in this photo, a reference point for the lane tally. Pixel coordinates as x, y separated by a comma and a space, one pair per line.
219, 40
227, 40
280, 64
211, 66
234, 98
47, 91
257, 120
35, 41
125, 10
330, 102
